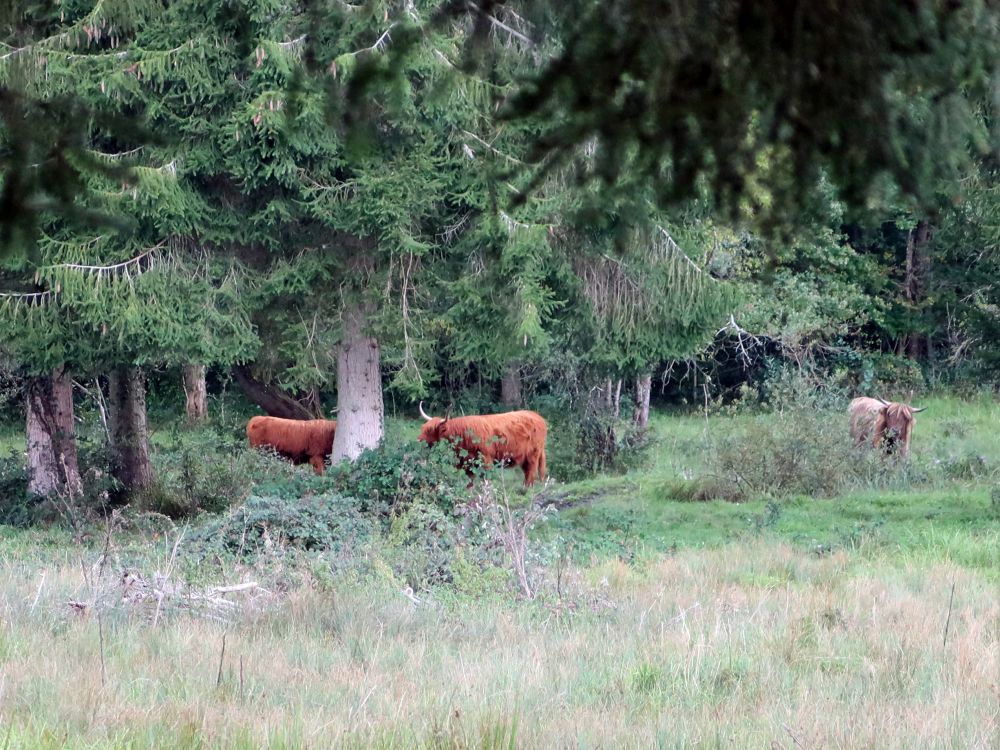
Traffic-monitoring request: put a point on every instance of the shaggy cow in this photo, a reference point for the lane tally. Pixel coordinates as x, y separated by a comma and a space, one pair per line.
301, 440
516, 438
884, 423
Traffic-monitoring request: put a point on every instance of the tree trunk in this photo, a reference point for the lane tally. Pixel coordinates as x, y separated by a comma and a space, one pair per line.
510, 386
196, 393
359, 387
600, 441
643, 387
916, 261
129, 433
616, 408
272, 399
51, 440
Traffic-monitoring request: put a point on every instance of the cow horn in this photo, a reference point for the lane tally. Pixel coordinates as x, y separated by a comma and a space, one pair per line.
882, 401
917, 411
423, 413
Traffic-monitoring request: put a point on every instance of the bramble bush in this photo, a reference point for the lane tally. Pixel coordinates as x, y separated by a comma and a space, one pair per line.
206, 471
270, 524
390, 478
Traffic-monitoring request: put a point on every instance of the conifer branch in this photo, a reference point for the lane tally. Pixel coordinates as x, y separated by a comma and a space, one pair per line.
501, 25
296, 43
33, 298
117, 156
113, 268
493, 149
673, 247
379, 46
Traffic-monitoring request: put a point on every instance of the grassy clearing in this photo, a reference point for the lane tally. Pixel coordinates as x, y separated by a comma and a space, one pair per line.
659, 621
944, 499
749, 645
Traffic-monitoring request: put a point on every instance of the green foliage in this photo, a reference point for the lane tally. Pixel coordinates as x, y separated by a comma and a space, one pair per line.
421, 544
798, 451
267, 524
203, 471
18, 508
391, 478
853, 89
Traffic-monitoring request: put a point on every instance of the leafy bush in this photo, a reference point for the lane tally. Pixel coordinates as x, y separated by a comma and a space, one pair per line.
965, 466
391, 478
262, 524
421, 544
888, 373
18, 508
584, 439
206, 470
798, 451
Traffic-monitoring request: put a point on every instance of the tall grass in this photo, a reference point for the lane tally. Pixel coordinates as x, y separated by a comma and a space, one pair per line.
751, 645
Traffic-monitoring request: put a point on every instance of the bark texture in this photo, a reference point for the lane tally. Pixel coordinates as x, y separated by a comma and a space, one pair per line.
914, 344
360, 410
275, 401
643, 387
53, 467
510, 386
129, 431
196, 393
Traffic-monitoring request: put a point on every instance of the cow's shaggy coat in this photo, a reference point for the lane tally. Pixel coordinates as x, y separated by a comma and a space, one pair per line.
885, 424
516, 438
303, 441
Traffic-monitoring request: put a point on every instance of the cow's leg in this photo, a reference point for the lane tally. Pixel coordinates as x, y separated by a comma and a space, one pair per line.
528, 467
541, 465
317, 463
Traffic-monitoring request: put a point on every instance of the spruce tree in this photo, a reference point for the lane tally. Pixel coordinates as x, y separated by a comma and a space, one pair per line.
138, 288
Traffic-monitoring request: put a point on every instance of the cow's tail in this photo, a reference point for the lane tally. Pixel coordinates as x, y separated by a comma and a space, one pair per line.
541, 465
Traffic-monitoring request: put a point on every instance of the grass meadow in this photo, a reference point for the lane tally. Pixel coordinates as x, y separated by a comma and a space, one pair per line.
870, 618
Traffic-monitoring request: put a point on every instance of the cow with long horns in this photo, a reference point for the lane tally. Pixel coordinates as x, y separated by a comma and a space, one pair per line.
515, 438
887, 424
300, 440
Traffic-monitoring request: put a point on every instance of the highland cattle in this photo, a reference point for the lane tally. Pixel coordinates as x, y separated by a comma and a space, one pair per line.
300, 440
887, 425
515, 438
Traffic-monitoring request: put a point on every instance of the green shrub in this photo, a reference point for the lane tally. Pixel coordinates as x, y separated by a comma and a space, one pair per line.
18, 508
420, 545
965, 466
206, 470
390, 478
796, 452
703, 489
890, 373
581, 445
266, 524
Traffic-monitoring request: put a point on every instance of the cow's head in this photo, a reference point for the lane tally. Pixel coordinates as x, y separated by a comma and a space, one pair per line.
433, 429
896, 425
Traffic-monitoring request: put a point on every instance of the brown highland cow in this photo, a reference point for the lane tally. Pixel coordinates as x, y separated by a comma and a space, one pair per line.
888, 425
515, 438
301, 440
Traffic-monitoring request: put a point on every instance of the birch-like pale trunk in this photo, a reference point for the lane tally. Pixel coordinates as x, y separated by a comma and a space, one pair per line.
196, 394
510, 386
643, 387
360, 410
